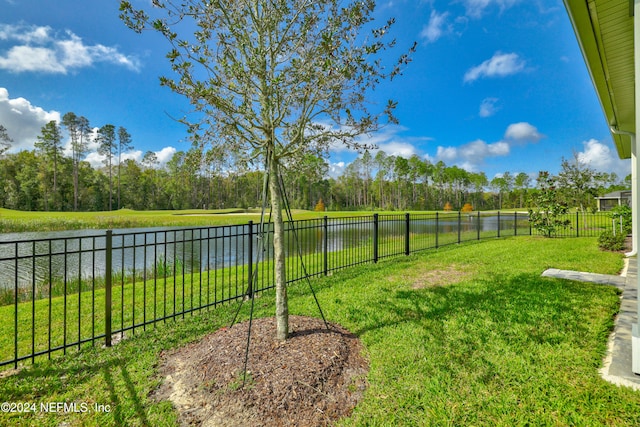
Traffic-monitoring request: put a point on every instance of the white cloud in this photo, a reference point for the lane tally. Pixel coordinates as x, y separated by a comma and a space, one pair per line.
398, 148
165, 155
476, 8
24, 35
436, 27
336, 169
387, 139
447, 154
43, 50
500, 65
522, 133
23, 120
95, 159
132, 155
471, 156
600, 157
488, 107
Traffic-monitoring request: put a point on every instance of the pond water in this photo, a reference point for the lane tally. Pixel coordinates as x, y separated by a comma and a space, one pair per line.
34, 257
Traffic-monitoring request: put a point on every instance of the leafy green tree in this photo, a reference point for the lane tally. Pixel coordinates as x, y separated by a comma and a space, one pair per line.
419, 176
459, 181
50, 144
107, 147
498, 184
5, 140
479, 182
508, 184
401, 174
522, 183
124, 143
622, 214
578, 182
384, 166
192, 167
302, 179
439, 180
548, 213
150, 185
133, 191
31, 181
79, 130
276, 79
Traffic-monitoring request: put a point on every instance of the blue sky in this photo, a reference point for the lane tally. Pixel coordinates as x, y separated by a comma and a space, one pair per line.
494, 86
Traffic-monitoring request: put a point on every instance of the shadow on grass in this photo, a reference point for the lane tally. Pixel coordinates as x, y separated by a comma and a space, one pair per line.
120, 377
524, 302
55, 380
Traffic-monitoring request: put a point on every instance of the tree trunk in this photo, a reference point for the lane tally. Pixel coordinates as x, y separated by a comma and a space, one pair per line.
75, 185
282, 303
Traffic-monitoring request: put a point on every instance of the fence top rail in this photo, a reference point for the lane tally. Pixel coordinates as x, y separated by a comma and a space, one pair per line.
49, 239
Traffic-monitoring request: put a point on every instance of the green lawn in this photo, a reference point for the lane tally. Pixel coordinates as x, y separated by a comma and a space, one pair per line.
465, 335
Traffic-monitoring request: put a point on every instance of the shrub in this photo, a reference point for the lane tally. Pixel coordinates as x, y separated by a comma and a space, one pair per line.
622, 212
467, 207
320, 207
611, 242
448, 207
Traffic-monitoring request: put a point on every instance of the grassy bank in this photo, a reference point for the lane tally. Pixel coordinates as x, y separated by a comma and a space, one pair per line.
464, 335
12, 221
19, 221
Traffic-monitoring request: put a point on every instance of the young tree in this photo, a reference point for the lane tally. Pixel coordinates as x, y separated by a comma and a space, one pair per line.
548, 213
107, 148
5, 141
50, 143
276, 79
124, 143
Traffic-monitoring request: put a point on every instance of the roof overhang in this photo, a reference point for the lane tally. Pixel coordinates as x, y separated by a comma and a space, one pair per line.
604, 29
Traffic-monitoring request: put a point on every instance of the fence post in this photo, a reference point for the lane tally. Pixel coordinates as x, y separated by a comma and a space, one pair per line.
250, 272
107, 285
577, 224
459, 225
515, 223
375, 237
478, 225
326, 245
437, 228
407, 221
498, 223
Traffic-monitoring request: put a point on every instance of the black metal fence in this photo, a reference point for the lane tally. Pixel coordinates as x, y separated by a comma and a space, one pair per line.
86, 287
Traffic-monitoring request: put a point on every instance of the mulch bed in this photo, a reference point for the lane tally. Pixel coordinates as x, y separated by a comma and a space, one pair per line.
313, 379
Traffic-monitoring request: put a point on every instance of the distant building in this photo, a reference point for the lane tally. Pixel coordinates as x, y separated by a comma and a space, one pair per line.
611, 200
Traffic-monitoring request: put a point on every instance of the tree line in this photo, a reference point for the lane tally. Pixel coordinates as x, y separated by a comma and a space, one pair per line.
398, 183
49, 178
